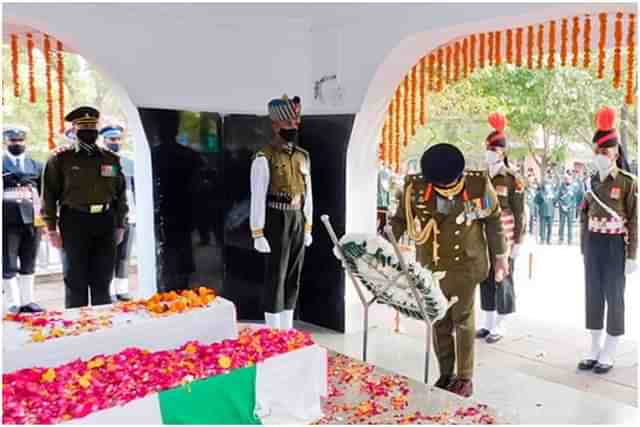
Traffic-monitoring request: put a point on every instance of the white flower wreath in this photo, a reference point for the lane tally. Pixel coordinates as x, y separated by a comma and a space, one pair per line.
373, 260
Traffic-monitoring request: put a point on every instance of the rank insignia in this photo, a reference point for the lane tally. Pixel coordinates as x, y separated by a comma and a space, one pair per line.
108, 170
502, 190
615, 193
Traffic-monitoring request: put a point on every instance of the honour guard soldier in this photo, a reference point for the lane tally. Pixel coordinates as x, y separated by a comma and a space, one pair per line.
459, 216
609, 241
498, 298
86, 185
21, 221
119, 289
282, 211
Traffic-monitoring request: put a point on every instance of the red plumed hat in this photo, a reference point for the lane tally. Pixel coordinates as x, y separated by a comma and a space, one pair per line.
606, 135
496, 138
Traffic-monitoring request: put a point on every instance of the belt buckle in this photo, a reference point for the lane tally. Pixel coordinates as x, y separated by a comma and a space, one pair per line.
96, 208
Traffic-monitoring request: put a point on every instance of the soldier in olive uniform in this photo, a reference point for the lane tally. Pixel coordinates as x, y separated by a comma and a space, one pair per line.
566, 200
86, 185
544, 200
282, 211
498, 298
609, 242
459, 216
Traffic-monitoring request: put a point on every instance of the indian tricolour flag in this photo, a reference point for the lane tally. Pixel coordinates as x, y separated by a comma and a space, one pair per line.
282, 389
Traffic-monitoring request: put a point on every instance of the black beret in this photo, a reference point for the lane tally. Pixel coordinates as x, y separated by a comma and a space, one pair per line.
82, 113
442, 164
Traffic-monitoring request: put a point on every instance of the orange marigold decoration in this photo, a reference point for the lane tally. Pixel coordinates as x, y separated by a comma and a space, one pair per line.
491, 51
575, 33
448, 66
519, 33
631, 43
472, 53
564, 38
47, 58
456, 62
384, 146
540, 45
617, 59
391, 132
405, 110
587, 42
465, 58
498, 47
602, 44
60, 84
14, 65
530, 47
483, 50
440, 70
551, 60
432, 62
509, 46
423, 113
396, 148
414, 95
32, 85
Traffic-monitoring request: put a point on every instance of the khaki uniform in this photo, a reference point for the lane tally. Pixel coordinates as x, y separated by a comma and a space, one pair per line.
606, 243
467, 226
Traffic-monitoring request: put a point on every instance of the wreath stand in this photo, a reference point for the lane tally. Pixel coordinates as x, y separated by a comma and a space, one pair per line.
356, 279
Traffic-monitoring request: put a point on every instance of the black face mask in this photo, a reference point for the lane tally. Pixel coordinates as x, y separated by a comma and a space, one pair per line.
289, 135
16, 149
88, 136
114, 147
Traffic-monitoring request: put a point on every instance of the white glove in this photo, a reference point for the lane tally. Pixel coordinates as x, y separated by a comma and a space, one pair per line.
261, 244
515, 251
307, 240
630, 266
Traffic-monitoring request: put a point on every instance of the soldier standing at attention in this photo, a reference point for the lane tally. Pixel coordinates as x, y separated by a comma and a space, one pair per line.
566, 199
498, 299
282, 211
609, 243
21, 222
85, 182
459, 215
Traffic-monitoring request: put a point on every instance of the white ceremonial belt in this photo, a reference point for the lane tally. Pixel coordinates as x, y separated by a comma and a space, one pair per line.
12, 194
607, 225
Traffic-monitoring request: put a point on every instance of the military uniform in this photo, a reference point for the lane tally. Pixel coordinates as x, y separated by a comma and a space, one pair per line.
384, 197
86, 186
566, 200
544, 201
21, 222
463, 226
609, 243
281, 216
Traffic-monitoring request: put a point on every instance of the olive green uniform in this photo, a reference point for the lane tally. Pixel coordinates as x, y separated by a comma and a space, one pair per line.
286, 221
606, 243
469, 225
84, 194
500, 296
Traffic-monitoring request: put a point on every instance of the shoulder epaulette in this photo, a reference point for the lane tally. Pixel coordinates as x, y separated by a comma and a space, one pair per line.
475, 172
302, 150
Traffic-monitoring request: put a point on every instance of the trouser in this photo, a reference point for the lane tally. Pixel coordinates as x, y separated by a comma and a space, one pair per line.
531, 223
454, 335
89, 244
545, 229
604, 262
19, 242
566, 219
284, 229
382, 220
123, 252
500, 296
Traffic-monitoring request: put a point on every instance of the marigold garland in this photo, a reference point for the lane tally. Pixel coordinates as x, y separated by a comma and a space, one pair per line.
423, 115
448, 66
540, 45
530, 47
432, 62
396, 153
440, 65
519, 34
498, 48
465, 58
456, 62
602, 44
509, 46
391, 133
472, 53
551, 61
617, 59
564, 38
631, 42
414, 110
587, 42
491, 51
483, 49
14, 65
32, 85
405, 110
60, 84
47, 58
575, 33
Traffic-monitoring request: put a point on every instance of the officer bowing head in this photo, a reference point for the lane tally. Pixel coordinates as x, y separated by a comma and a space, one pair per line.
13, 138
285, 118
443, 166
